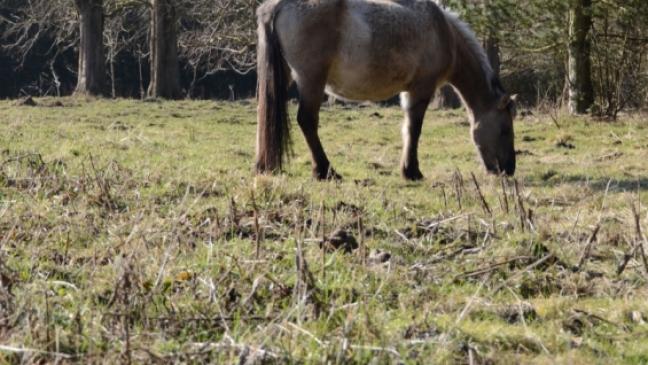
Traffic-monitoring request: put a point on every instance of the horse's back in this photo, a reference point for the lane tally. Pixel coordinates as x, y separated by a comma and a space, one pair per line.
368, 49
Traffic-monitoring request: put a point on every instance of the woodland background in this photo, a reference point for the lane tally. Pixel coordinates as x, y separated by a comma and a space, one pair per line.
133, 229
588, 54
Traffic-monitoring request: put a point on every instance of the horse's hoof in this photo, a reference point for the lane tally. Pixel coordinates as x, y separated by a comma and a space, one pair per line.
326, 175
412, 174
333, 176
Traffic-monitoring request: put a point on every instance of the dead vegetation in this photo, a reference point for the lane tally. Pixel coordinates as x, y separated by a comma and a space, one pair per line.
101, 261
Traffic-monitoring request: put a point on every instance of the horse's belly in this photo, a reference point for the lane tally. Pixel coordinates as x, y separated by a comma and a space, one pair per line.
369, 66
362, 85
356, 75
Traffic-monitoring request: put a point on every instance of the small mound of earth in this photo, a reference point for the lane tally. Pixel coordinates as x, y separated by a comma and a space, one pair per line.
27, 101
340, 240
377, 257
515, 313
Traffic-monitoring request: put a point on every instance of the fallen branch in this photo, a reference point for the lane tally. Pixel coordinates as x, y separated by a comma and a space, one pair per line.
520, 273
25, 350
626, 258
588, 248
490, 268
481, 196
641, 239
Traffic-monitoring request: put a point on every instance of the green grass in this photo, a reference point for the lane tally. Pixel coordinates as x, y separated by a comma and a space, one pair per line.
130, 230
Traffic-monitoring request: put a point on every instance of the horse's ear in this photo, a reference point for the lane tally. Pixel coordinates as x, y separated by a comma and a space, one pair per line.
504, 101
513, 105
507, 102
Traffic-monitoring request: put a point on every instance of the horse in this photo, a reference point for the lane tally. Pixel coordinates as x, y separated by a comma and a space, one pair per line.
371, 50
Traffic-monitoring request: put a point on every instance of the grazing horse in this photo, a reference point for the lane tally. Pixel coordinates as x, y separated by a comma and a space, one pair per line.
373, 50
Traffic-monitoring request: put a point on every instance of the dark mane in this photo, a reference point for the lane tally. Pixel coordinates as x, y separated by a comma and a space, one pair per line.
496, 85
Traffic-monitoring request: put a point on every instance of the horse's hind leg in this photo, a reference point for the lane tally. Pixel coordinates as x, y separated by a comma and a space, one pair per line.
414, 107
310, 101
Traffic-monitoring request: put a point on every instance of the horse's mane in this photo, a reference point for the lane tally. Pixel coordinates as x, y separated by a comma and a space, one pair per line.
474, 46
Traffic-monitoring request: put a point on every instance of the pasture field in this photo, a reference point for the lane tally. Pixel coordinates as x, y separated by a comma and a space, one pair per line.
137, 232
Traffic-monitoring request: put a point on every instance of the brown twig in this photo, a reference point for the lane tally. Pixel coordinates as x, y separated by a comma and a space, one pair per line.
626, 258
504, 194
641, 239
521, 272
198, 319
445, 198
257, 229
520, 205
305, 286
490, 268
481, 196
588, 248
553, 114
363, 249
599, 318
458, 183
234, 220
48, 336
323, 232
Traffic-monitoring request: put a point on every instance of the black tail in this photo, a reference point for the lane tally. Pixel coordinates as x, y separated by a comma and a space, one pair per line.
273, 129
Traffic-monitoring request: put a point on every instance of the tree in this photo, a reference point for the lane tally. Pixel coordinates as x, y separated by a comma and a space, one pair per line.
446, 97
619, 39
92, 60
491, 39
485, 20
165, 69
39, 36
127, 44
193, 40
581, 90
217, 35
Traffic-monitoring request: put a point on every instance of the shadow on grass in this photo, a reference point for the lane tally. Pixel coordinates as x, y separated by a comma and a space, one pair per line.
599, 184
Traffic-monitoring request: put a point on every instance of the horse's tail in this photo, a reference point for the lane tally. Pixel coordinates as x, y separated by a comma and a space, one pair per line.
273, 130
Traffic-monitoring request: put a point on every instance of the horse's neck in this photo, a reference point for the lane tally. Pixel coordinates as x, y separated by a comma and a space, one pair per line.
472, 79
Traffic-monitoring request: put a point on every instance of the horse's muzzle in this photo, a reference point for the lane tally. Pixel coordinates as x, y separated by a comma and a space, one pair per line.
501, 168
509, 166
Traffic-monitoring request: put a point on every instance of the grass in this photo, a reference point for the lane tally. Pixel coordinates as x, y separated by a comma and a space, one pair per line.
136, 232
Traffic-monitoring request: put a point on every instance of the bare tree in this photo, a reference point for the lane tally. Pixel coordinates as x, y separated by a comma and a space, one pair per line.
29, 26
92, 60
165, 70
581, 90
125, 34
219, 35
446, 97
491, 39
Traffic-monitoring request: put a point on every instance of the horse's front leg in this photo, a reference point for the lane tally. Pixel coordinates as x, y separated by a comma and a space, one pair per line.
414, 107
310, 100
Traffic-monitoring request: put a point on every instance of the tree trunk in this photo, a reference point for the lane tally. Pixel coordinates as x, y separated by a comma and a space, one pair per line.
92, 60
446, 97
165, 71
491, 39
581, 90
491, 45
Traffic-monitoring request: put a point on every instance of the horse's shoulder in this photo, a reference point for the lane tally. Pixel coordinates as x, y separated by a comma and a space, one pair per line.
419, 4
423, 8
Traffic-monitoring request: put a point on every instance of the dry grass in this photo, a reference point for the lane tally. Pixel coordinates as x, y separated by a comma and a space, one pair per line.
136, 233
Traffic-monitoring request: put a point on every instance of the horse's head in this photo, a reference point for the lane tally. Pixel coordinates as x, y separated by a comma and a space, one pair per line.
492, 132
